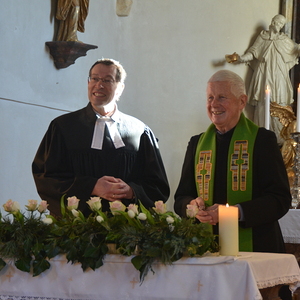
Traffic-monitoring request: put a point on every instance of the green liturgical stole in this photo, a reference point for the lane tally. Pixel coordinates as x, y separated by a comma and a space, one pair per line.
239, 169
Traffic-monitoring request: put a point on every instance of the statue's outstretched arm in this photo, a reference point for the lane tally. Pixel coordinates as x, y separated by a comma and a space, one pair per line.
235, 58
248, 56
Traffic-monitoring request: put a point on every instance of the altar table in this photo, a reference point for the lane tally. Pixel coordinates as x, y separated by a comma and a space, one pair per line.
208, 278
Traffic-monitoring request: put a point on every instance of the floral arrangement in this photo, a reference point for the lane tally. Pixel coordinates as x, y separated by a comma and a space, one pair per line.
33, 237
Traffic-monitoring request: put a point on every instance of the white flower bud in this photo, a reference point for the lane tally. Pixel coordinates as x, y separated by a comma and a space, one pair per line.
47, 221
170, 220
75, 213
99, 219
131, 214
142, 216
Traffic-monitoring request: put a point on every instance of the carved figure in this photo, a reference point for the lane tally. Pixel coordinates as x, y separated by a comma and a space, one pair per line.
287, 118
71, 15
272, 55
123, 7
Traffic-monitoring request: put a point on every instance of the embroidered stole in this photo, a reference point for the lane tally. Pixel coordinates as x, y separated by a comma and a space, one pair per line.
239, 169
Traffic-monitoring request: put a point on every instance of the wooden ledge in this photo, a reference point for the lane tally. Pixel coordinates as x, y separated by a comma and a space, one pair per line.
65, 53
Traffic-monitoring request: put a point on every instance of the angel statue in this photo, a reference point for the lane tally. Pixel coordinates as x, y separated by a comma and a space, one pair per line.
71, 15
287, 118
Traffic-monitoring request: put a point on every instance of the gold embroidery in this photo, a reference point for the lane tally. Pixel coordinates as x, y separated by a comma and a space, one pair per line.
203, 170
239, 165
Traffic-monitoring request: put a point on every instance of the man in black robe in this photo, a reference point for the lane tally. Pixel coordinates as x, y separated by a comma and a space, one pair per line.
256, 173
99, 151
264, 200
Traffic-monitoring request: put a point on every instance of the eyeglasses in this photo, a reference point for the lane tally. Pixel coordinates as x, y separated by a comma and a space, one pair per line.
105, 81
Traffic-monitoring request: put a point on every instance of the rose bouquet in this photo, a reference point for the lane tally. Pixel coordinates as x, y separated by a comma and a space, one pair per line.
82, 239
32, 238
161, 235
26, 237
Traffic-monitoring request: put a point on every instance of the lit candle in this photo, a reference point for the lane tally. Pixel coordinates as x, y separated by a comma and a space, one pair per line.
267, 108
298, 110
228, 230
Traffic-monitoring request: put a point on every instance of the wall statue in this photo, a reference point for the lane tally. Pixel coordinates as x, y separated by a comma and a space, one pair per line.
272, 56
71, 15
123, 7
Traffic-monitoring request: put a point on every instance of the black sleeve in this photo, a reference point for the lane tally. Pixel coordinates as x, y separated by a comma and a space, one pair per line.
149, 180
53, 173
186, 190
271, 198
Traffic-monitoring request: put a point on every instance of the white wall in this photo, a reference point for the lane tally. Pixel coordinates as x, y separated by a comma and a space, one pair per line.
169, 49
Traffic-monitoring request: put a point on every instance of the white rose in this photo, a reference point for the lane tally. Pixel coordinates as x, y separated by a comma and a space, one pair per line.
72, 202
32, 205
94, 203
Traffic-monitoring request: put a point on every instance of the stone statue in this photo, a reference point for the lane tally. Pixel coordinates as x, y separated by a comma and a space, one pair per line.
272, 55
287, 118
71, 15
123, 7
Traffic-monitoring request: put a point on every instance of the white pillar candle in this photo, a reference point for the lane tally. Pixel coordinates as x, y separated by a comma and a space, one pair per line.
298, 110
228, 230
267, 108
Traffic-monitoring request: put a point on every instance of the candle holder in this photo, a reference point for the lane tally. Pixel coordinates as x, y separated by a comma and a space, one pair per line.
295, 189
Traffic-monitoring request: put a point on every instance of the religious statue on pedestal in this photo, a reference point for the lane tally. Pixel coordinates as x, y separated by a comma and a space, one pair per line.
273, 54
66, 48
71, 15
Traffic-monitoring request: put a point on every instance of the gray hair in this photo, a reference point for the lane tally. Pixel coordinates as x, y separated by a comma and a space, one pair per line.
236, 82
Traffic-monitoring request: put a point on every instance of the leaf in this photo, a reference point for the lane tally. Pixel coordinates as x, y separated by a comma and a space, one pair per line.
23, 264
62, 205
2, 264
137, 262
99, 262
52, 250
40, 266
91, 251
147, 213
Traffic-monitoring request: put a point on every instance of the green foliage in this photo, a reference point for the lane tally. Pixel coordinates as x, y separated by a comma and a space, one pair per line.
27, 241
82, 241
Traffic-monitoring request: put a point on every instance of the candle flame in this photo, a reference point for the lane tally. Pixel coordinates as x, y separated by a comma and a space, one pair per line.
227, 205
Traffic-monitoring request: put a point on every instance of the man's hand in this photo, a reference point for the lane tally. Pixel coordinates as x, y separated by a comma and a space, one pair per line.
199, 202
112, 189
206, 215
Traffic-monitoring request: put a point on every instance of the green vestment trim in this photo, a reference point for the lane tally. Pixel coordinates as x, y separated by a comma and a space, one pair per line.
239, 169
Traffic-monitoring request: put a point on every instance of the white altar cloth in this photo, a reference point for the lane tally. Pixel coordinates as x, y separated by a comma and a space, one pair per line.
209, 278
290, 226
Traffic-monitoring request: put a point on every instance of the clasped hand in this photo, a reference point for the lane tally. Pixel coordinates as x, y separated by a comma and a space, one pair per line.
206, 215
112, 189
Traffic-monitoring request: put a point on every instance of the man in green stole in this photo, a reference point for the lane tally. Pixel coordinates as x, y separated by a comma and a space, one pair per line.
238, 163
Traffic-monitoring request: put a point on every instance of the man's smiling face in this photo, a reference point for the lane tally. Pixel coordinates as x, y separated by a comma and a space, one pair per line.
104, 93
223, 107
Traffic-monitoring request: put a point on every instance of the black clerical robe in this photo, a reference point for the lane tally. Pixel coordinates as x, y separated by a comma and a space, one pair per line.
271, 197
65, 163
